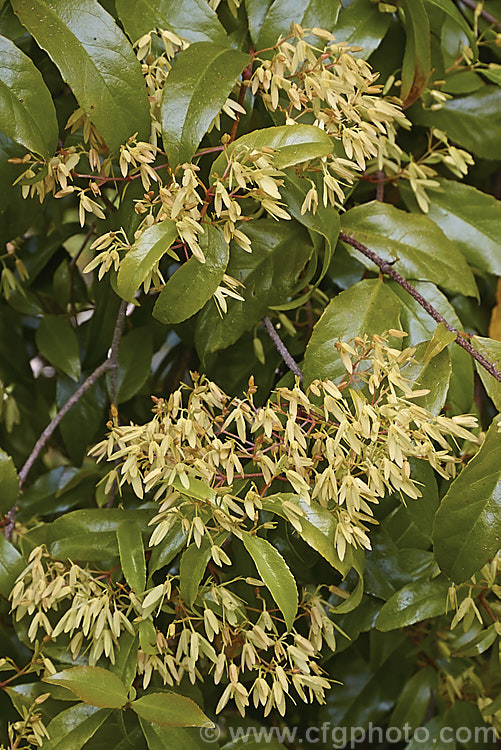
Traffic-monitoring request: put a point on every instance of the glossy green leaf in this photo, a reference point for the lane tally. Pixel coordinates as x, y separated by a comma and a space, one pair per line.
293, 145
433, 374
89, 547
97, 520
478, 644
201, 80
170, 709
269, 274
165, 738
491, 350
420, 248
416, 65
277, 20
134, 362
146, 252
275, 574
193, 20
414, 700
27, 113
132, 562
420, 326
11, 565
9, 483
125, 666
95, 60
473, 121
415, 602
58, 343
367, 307
73, 728
148, 633
189, 288
93, 685
467, 524
192, 568
361, 24
469, 218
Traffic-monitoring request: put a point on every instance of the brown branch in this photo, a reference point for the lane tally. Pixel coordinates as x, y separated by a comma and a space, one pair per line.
282, 349
111, 363
387, 268
485, 15
380, 185
44, 437
246, 76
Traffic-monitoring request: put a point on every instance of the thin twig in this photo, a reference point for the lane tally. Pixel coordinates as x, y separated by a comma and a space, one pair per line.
485, 15
282, 349
113, 358
111, 363
73, 262
44, 437
246, 76
388, 269
380, 185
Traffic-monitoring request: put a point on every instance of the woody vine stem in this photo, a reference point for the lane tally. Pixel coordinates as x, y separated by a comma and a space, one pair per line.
110, 363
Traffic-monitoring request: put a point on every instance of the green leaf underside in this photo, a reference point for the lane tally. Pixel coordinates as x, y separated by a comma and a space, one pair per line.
170, 709
201, 80
27, 113
130, 545
72, 728
192, 568
95, 60
9, 483
94, 685
468, 522
276, 575
421, 250
194, 283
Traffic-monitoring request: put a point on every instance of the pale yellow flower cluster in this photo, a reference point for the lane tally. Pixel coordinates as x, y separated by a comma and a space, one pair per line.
344, 446
219, 634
